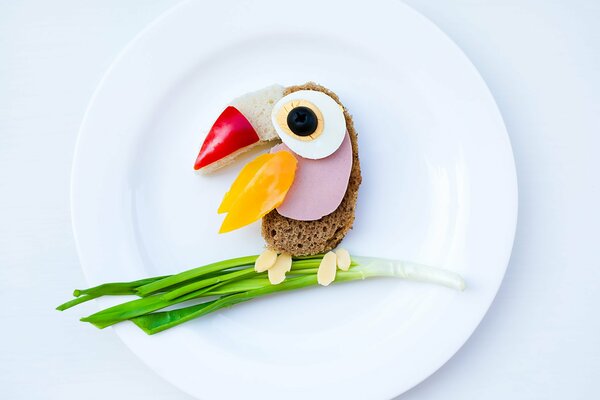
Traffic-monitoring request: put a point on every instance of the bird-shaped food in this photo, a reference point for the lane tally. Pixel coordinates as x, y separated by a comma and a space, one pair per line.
305, 189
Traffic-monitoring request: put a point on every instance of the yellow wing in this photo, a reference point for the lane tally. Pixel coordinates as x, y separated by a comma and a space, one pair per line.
260, 187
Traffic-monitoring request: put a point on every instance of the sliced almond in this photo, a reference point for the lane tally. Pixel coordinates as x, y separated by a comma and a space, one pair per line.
282, 265
327, 268
265, 261
343, 259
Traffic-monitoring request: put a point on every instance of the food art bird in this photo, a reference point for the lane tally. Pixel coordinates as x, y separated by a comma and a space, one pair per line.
305, 191
305, 188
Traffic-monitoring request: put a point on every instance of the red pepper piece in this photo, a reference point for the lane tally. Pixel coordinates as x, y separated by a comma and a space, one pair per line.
231, 132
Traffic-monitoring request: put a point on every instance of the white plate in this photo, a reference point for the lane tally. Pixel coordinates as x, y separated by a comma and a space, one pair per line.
439, 188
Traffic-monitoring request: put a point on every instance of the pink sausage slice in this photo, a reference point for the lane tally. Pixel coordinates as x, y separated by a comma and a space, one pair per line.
319, 185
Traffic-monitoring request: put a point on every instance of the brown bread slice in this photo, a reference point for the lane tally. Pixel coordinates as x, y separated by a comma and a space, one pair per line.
301, 238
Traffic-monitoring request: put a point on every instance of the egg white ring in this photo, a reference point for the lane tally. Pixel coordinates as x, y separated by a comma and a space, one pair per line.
334, 125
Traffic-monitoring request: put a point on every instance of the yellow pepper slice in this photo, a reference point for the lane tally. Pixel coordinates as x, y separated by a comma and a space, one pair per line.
241, 181
260, 187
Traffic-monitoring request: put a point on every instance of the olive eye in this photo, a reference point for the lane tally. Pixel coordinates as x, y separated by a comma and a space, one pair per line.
299, 119
302, 121
310, 123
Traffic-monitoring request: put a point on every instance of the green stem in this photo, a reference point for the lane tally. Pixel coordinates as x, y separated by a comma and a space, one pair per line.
135, 308
76, 301
126, 288
298, 267
239, 286
192, 287
235, 281
144, 305
160, 321
194, 273
117, 288
305, 263
305, 271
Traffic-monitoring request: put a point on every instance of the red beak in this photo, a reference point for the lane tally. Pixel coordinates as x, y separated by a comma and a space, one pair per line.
230, 135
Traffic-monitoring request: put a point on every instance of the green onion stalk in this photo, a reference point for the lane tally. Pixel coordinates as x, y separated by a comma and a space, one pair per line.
229, 282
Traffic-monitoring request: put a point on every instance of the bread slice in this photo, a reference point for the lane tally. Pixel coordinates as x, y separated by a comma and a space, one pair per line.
301, 238
256, 107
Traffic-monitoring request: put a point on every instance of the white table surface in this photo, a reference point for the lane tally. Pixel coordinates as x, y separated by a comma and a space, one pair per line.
541, 337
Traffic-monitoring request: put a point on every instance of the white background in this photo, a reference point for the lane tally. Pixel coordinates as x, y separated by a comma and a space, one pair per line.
541, 337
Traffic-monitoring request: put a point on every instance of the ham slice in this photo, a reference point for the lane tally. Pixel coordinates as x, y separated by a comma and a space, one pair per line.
319, 185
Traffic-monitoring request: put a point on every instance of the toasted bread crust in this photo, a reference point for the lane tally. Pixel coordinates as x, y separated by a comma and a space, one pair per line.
301, 238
